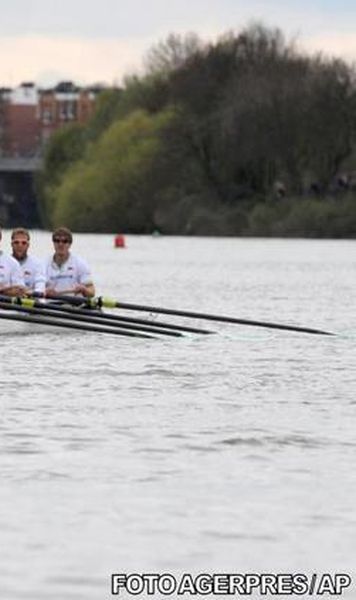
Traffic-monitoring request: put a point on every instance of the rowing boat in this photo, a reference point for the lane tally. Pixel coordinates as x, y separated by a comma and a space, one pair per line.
31, 319
14, 322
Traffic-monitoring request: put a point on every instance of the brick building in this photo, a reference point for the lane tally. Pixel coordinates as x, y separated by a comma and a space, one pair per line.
20, 128
29, 116
66, 103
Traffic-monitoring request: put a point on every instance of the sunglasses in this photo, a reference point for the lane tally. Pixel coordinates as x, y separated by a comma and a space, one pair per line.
61, 241
18, 243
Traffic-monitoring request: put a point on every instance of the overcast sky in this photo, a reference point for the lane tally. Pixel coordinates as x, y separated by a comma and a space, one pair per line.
47, 41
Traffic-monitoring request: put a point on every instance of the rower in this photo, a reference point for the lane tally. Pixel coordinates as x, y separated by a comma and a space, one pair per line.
11, 277
32, 268
67, 273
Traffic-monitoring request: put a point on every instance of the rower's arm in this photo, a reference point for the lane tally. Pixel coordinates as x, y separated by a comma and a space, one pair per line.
13, 290
86, 290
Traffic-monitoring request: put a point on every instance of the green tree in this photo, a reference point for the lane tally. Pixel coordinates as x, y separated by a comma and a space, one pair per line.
66, 146
106, 112
114, 187
203, 136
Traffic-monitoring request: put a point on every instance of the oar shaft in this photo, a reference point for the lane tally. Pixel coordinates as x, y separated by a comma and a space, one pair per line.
55, 312
219, 318
123, 320
66, 325
108, 303
78, 304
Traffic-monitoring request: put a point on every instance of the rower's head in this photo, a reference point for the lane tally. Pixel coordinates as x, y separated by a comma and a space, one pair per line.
62, 240
20, 241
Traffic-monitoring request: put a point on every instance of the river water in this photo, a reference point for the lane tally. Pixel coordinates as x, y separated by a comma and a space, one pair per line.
232, 453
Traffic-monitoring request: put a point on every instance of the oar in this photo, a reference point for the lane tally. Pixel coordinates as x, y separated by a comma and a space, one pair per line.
75, 326
154, 325
27, 306
108, 303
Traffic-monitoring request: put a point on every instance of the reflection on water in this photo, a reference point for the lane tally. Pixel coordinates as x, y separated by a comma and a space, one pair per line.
233, 452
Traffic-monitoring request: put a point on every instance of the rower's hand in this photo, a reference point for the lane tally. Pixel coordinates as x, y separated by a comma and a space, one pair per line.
80, 288
50, 292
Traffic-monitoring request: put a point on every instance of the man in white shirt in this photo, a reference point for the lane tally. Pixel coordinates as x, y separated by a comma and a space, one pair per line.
32, 268
11, 278
67, 273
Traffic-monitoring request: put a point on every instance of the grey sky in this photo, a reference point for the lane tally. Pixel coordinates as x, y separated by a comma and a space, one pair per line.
108, 18
103, 40
126, 18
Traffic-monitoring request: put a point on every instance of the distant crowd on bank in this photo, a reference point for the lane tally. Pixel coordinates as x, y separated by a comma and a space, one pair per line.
62, 273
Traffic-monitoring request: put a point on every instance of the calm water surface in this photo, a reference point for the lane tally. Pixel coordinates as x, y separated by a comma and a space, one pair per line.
226, 453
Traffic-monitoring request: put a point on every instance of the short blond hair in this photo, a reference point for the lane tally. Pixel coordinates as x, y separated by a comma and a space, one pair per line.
20, 231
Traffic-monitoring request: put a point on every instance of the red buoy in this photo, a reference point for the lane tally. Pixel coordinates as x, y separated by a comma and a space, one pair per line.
119, 241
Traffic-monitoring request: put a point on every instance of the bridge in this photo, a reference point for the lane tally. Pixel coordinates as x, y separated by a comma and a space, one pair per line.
18, 202
20, 164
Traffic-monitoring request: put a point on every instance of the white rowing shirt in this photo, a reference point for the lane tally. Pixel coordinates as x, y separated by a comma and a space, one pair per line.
65, 276
10, 272
34, 274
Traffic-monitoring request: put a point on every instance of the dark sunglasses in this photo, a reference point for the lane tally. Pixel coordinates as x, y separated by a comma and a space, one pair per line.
61, 241
20, 243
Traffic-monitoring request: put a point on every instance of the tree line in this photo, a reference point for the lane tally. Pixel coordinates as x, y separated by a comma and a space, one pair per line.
247, 135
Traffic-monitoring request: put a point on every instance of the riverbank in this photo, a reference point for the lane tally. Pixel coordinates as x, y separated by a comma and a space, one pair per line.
304, 217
